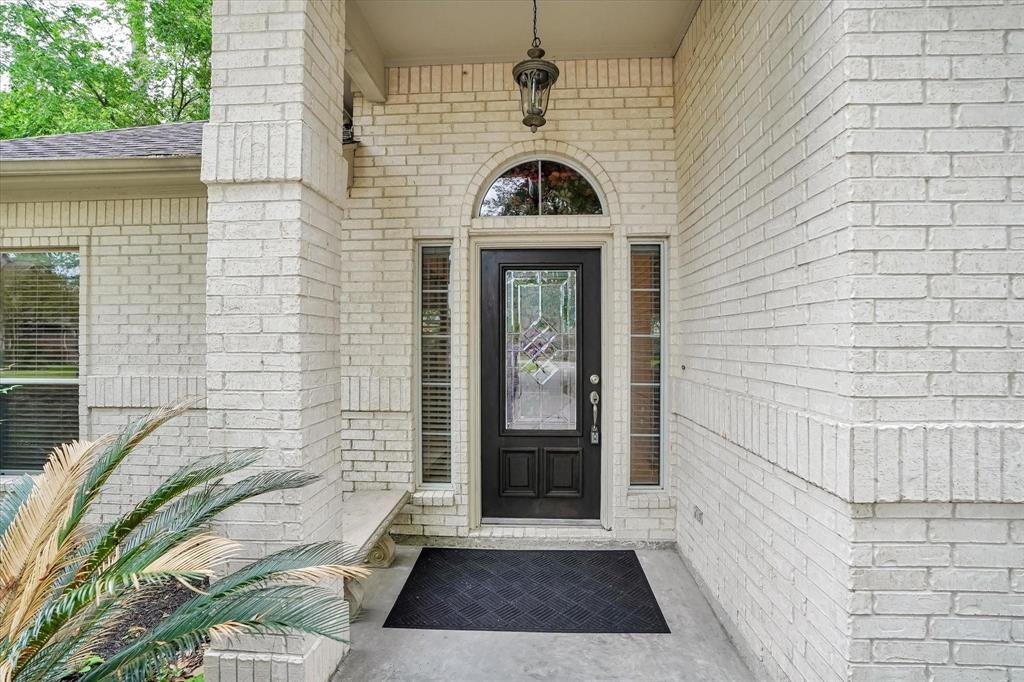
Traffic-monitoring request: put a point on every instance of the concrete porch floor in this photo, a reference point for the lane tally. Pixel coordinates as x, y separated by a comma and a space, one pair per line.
696, 650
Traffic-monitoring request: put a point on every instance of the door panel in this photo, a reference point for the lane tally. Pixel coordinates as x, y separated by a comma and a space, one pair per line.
563, 468
540, 344
518, 472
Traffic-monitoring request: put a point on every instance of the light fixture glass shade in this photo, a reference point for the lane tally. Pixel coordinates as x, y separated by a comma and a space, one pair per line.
534, 76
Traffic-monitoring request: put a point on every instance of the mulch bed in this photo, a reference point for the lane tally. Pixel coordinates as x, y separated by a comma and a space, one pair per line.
155, 604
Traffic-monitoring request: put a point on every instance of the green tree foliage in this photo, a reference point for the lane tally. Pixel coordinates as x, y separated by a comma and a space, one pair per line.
76, 65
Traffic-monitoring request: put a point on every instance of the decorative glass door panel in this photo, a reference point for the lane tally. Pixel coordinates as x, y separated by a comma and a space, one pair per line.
540, 350
540, 365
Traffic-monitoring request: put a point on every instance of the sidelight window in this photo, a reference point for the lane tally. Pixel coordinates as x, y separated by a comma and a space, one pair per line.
645, 394
435, 365
39, 303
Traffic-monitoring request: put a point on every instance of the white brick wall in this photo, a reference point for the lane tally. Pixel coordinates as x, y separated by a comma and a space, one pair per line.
759, 309
846, 265
772, 553
938, 592
143, 319
761, 433
935, 150
936, 211
423, 159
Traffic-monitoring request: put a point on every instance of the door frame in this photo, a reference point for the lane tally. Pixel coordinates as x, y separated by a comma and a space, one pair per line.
516, 239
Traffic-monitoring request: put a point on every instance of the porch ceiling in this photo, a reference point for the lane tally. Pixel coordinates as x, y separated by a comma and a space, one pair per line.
412, 32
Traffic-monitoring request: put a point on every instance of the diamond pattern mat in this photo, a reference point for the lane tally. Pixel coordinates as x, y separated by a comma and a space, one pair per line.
528, 591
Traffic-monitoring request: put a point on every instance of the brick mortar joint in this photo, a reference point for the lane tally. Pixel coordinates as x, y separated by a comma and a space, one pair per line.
301, 180
877, 425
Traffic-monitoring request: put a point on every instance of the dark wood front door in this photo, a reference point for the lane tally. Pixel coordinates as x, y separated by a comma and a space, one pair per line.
540, 375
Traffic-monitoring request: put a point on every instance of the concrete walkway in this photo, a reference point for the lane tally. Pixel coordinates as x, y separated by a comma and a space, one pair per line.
697, 649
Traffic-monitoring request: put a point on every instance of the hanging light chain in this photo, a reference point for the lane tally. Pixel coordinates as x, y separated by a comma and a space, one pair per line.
536, 40
534, 76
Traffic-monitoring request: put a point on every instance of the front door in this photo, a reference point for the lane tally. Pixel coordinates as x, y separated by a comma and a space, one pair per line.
540, 384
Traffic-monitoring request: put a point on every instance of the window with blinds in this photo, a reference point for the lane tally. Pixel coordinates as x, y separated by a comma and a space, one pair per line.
645, 349
39, 298
435, 365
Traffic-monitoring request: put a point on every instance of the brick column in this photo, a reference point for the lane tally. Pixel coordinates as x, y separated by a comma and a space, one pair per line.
272, 160
934, 109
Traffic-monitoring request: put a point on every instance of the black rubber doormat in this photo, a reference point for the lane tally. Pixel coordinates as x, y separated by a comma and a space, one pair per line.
527, 591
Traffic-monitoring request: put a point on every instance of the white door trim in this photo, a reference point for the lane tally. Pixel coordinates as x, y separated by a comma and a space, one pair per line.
477, 244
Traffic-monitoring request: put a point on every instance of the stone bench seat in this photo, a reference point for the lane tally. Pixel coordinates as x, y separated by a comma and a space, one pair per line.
366, 516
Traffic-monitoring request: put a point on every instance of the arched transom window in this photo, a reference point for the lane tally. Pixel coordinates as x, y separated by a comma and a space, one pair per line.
541, 187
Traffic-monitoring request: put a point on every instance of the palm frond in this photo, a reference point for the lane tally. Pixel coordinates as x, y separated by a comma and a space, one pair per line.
187, 515
112, 456
198, 555
79, 636
306, 563
64, 590
111, 587
12, 500
165, 544
268, 610
178, 523
30, 553
190, 476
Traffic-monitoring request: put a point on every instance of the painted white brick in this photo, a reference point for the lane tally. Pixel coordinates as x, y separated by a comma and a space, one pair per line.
275, 173
910, 652
985, 629
929, 192
844, 291
411, 185
143, 265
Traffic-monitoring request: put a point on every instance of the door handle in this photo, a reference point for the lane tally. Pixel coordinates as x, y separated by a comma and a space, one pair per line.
595, 432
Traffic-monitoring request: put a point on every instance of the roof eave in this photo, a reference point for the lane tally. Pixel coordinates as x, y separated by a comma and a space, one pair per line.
26, 179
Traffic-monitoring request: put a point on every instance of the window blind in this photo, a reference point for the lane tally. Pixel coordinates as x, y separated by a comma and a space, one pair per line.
435, 365
645, 364
39, 306
33, 420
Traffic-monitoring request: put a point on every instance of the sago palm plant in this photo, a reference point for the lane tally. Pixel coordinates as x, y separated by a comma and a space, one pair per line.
65, 588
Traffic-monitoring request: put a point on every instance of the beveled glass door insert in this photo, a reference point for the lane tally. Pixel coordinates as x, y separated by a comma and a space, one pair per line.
540, 350
540, 342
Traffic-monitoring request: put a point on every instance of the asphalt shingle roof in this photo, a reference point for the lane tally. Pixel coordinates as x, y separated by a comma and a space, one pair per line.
166, 139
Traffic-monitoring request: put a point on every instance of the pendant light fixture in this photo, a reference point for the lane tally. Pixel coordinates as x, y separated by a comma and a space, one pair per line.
534, 76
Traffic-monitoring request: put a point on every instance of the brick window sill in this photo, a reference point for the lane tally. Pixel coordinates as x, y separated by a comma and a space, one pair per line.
433, 497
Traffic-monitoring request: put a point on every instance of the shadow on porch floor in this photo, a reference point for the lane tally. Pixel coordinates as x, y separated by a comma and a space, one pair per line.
697, 650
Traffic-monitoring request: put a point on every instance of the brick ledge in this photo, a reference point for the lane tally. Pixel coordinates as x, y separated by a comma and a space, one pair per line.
433, 497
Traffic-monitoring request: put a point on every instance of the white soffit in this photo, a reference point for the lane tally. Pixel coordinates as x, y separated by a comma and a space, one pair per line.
411, 32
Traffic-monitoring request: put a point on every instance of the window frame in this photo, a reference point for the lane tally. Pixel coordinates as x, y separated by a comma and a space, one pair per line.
417, 393
662, 245
79, 379
509, 165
